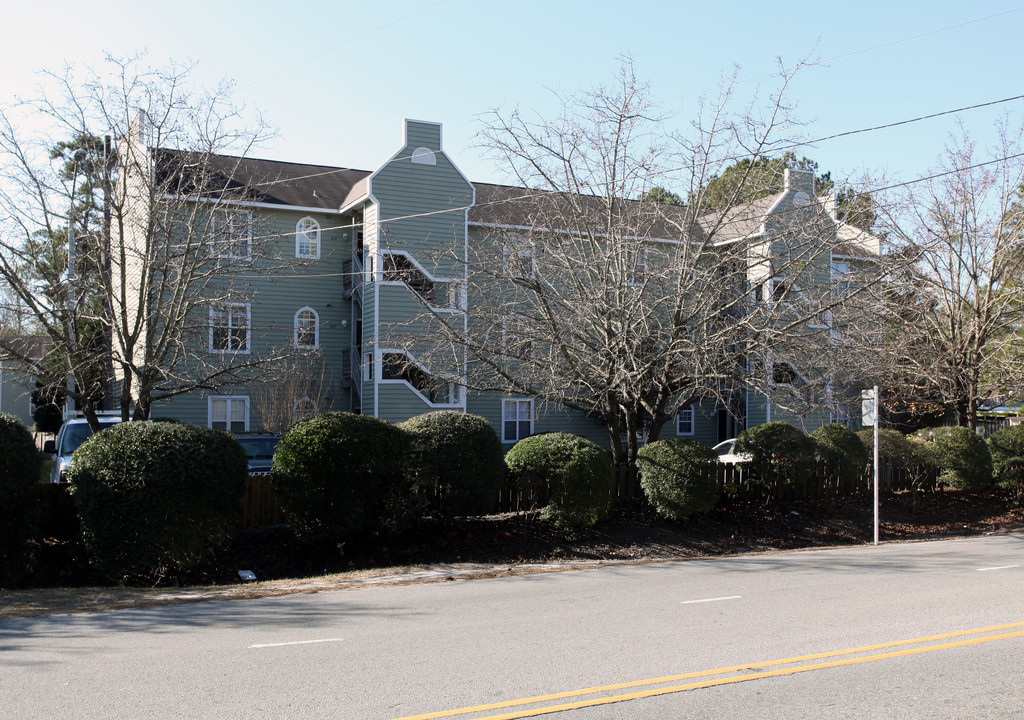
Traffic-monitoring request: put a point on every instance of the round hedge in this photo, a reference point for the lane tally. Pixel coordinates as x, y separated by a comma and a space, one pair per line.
157, 499
338, 475
19, 499
963, 456
458, 460
781, 455
578, 475
679, 477
844, 453
1007, 449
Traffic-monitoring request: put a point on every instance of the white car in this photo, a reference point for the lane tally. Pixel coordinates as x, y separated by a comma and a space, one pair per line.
71, 435
726, 451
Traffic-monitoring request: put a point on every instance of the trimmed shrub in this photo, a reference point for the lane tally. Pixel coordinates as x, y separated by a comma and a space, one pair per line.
338, 475
963, 456
781, 455
579, 476
844, 453
679, 477
157, 500
915, 456
19, 499
1007, 449
458, 461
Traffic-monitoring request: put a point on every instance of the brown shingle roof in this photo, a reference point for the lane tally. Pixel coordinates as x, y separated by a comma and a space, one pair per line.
272, 181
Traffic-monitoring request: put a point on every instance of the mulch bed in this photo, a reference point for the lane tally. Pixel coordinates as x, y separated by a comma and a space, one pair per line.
630, 533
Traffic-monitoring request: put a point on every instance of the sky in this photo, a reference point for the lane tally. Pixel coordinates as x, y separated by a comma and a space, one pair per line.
338, 78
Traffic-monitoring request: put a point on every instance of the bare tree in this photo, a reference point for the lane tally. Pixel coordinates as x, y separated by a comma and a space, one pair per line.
291, 389
163, 251
954, 310
627, 310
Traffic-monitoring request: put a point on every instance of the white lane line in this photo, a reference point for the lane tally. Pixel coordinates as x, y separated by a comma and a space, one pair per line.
1001, 567
296, 642
706, 600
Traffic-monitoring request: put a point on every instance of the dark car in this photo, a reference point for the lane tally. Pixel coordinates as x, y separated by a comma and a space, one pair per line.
259, 449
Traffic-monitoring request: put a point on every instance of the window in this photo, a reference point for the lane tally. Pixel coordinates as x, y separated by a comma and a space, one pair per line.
307, 238
229, 413
231, 234
840, 280
307, 328
424, 156
520, 259
304, 408
229, 328
636, 266
684, 422
515, 337
516, 419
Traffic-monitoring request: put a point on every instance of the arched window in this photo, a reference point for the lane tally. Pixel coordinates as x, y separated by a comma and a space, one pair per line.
424, 156
303, 408
307, 328
307, 238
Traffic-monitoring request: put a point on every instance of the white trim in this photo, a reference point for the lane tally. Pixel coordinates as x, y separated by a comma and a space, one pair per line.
247, 203
316, 328
518, 401
299, 233
228, 407
452, 380
230, 307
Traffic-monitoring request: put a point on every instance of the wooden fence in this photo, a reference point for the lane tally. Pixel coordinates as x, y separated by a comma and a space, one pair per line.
259, 504
261, 507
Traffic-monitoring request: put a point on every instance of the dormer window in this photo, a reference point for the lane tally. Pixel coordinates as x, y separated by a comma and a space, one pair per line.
423, 156
307, 238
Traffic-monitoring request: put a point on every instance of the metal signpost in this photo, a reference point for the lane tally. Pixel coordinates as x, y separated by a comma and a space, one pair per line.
869, 416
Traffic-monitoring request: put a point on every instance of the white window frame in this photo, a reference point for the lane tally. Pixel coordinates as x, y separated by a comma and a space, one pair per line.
519, 404
225, 240
307, 232
692, 412
233, 310
316, 328
229, 405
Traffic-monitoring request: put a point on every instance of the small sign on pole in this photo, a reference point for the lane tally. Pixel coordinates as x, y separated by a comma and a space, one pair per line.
867, 407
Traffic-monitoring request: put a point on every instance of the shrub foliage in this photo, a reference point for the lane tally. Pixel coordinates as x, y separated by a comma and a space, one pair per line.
1007, 449
458, 461
679, 477
19, 499
578, 475
963, 456
781, 455
339, 475
844, 453
157, 499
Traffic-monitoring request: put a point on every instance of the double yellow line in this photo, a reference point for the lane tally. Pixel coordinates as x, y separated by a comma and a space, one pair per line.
800, 664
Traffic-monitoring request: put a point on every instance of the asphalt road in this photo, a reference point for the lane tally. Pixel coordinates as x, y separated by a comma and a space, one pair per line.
925, 630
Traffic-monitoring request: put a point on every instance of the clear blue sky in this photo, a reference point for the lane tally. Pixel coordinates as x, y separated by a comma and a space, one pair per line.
337, 78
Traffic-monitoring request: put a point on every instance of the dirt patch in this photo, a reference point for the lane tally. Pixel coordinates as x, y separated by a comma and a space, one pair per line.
510, 544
